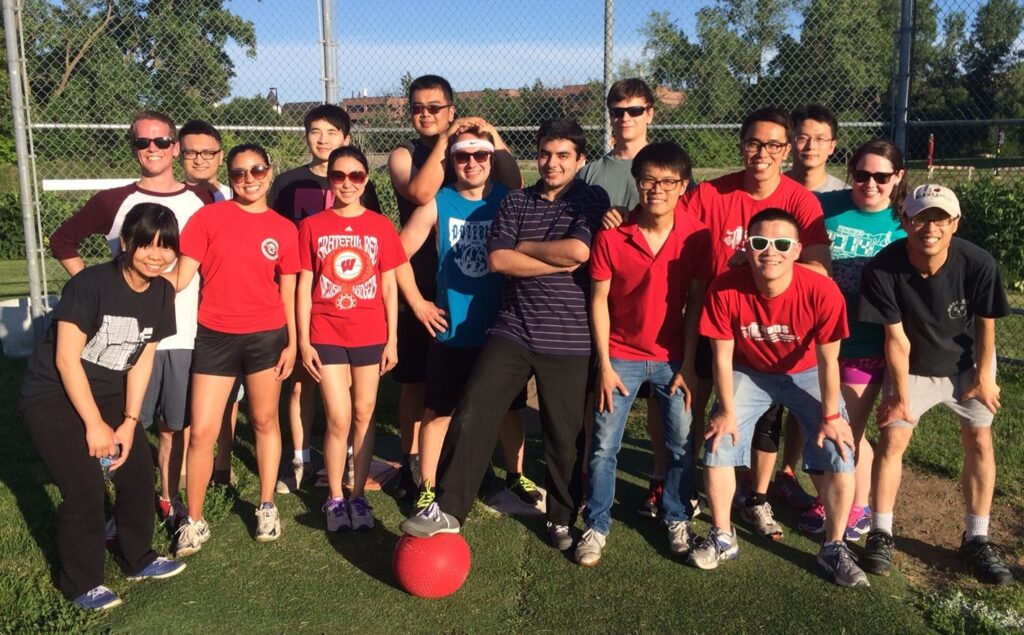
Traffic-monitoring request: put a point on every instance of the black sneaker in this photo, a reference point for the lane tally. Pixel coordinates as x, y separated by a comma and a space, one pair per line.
406, 488
982, 557
651, 506
877, 556
524, 489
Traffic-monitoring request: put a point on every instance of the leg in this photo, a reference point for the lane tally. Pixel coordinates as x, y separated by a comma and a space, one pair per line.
264, 391
793, 448
656, 432
860, 398
133, 506
675, 424
766, 448
887, 469
432, 433
225, 443
512, 438
210, 395
410, 416
335, 380
978, 479
301, 410
365, 380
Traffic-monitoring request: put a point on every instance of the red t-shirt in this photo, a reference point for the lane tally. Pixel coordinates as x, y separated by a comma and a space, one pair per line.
775, 335
648, 292
347, 256
239, 255
726, 208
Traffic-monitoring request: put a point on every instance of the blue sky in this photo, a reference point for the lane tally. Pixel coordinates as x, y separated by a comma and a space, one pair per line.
482, 44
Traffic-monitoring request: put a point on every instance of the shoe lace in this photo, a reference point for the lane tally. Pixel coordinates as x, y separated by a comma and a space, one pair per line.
880, 541
764, 514
526, 484
988, 553
188, 530
360, 506
679, 531
431, 512
92, 594
844, 557
334, 506
426, 495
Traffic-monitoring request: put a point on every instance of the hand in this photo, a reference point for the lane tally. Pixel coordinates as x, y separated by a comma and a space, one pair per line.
431, 317
285, 363
891, 409
389, 357
721, 425
125, 436
461, 124
684, 380
608, 382
839, 432
311, 362
985, 390
612, 218
101, 440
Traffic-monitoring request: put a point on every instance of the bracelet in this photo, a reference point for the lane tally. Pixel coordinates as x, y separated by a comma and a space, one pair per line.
833, 417
133, 418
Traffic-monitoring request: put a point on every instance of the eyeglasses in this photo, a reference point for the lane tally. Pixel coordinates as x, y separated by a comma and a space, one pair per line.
862, 176
753, 146
781, 244
258, 173
634, 111
142, 143
462, 158
647, 184
337, 177
192, 155
945, 221
417, 109
803, 139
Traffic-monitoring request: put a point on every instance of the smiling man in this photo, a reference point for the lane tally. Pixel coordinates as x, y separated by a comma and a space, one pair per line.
540, 240
201, 157
816, 130
938, 298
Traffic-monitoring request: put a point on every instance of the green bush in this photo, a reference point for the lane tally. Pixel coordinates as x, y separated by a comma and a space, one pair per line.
993, 218
12, 234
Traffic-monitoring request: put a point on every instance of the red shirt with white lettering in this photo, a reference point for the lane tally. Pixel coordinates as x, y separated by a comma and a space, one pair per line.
648, 291
724, 206
775, 335
347, 256
240, 254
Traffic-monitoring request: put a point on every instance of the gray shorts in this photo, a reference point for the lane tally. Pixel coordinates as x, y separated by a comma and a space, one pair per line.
928, 392
167, 397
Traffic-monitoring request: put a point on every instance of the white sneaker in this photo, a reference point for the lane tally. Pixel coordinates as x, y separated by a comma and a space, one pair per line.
588, 551
268, 523
190, 536
679, 537
337, 514
361, 514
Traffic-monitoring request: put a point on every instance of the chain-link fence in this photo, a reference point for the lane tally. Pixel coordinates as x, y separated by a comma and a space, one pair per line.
254, 68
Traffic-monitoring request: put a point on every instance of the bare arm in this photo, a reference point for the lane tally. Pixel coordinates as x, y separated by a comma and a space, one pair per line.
422, 184
73, 265
686, 377
608, 381
833, 427
417, 230
286, 362
897, 358
723, 422
984, 387
182, 273
425, 311
389, 293
303, 310
511, 262
566, 252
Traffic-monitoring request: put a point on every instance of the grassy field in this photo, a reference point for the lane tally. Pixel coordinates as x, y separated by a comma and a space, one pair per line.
311, 581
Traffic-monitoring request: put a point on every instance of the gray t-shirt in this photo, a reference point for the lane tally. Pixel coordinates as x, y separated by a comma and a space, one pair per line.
831, 184
613, 176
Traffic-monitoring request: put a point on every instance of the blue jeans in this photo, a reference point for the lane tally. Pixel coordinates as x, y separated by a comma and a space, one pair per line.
753, 393
607, 440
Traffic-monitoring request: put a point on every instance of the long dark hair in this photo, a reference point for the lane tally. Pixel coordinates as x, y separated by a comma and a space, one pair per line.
886, 150
142, 224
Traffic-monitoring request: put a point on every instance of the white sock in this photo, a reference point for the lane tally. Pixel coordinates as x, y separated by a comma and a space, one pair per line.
881, 522
976, 526
302, 454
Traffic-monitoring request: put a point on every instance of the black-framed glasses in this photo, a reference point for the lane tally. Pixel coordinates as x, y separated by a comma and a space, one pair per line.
943, 222
417, 109
462, 158
753, 146
781, 244
337, 177
142, 143
647, 184
617, 112
862, 176
258, 172
192, 155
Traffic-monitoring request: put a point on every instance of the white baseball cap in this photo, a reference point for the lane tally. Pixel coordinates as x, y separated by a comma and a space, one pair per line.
931, 196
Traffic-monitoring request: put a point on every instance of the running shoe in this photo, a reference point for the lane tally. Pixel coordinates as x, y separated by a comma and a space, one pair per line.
812, 521
762, 519
983, 560
718, 546
788, 488
337, 514
680, 540
98, 599
560, 536
190, 536
293, 479
426, 497
361, 513
159, 569
859, 523
430, 521
588, 551
524, 489
651, 506
268, 523
877, 556
839, 564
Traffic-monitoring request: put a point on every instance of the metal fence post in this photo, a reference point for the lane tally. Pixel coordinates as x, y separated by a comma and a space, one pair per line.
18, 108
902, 102
330, 57
609, 35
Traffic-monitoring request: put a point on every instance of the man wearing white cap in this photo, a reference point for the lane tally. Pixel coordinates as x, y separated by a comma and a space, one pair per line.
938, 297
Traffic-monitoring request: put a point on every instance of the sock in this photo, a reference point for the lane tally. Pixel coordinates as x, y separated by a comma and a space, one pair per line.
303, 455
756, 499
881, 522
976, 526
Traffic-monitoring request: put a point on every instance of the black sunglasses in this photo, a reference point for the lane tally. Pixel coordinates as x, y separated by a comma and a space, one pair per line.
862, 176
433, 109
634, 111
141, 143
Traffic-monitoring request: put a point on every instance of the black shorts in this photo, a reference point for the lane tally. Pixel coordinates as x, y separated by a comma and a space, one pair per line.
413, 343
448, 371
351, 355
234, 354
702, 358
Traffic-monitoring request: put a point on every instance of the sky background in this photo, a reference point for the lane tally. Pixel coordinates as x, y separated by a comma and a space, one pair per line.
482, 44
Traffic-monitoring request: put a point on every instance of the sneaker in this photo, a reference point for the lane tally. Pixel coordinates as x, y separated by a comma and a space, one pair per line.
812, 521
292, 482
190, 536
680, 539
588, 551
651, 506
859, 523
426, 498
788, 488
159, 569
708, 552
98, 599
839, 564
877, 556
430, 521
525, 489
171, 512
983, 560
406, 487
268, 523
110, 534
361, 512
337, 514
559, 536
762, 519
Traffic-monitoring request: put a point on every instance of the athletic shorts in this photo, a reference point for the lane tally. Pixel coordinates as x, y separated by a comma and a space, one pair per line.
235, 354
168, 390
448, 371
351, 355
413, 343
928, 392
860, 371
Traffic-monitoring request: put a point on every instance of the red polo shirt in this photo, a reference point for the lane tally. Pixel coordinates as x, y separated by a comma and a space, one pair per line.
648, 292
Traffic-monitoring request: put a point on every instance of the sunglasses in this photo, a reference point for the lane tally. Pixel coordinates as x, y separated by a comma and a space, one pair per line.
417, 109
462, 158
781, 245
337, 177
192, 155
617, 112
141, 143
258, 172
862, 176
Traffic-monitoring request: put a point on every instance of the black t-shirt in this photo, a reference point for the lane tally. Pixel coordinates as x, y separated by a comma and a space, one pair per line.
299, 193
118, 322
937, 311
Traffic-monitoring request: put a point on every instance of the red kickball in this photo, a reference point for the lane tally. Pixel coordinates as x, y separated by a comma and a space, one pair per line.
432, 567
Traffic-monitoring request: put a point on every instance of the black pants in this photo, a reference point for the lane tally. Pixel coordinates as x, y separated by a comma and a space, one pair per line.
59, 436
499, 374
